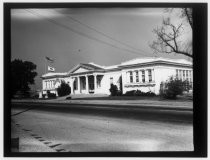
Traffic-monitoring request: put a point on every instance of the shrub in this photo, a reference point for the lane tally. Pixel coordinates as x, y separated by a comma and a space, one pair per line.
130, 93
68, 97
114, 90
64, 89
172, 88
139, 93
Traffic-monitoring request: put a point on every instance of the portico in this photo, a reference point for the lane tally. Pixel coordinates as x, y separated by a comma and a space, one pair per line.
86, 84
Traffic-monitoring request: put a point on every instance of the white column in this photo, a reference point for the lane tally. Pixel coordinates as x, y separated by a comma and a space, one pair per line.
72, 85
153, 75
95, 82
140, 76
87, 85
78, 84
127, 77
134, 76
146, 76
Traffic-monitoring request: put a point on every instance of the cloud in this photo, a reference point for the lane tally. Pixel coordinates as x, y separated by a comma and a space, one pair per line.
34, 14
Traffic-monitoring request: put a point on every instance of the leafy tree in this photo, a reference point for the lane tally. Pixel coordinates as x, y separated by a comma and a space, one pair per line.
170, 34
172, 88
22, 75
64, 89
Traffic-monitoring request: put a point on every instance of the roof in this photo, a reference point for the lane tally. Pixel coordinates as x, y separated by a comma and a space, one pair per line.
53, 74
154, 59
95, 67
92, 65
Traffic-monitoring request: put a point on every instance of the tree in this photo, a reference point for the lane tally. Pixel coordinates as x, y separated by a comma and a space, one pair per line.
22, 74
170, 35
64, 89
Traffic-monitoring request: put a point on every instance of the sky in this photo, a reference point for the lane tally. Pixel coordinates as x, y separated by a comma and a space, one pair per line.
105, 36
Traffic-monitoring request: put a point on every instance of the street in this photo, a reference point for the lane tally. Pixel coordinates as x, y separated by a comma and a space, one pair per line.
81, 131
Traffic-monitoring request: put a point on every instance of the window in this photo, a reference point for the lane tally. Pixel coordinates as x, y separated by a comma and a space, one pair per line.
99, 81
180, 74
111, 80
150, 75
131, 77
83, 83
183, 74
187, 75
75, 83
177, 74
190, 76
137, 76
143, 76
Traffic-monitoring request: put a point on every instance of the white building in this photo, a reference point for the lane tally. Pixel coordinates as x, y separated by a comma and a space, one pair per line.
145, 74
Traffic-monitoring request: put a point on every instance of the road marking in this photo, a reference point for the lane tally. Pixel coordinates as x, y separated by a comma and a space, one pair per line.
37, 137
59, 150
55, 145
41, 140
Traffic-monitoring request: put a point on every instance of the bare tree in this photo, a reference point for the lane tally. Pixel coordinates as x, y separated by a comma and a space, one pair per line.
169, 36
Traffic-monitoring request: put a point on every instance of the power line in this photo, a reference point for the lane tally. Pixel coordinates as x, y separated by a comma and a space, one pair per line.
80, 33
102, 33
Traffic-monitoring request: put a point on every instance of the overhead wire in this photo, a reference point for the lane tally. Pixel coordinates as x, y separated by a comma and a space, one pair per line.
80, 33
102, 33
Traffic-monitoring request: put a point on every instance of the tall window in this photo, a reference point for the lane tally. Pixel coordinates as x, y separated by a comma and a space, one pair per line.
180, 74
143, 76
131, 77
183, 74
190, 76
150, 75
75, 83
111, 80
99, 81
83, 83
137, 76
177, 74
187, 75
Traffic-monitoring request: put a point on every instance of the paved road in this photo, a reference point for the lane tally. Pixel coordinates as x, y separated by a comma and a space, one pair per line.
80, 131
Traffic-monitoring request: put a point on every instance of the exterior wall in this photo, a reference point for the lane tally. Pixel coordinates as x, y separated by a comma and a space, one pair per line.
105, 82
52, 84
159, 73
140, 85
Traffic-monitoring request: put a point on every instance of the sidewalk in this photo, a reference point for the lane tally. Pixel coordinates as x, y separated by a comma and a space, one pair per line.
27, 143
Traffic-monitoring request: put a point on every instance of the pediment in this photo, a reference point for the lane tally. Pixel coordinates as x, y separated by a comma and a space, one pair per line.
80, 70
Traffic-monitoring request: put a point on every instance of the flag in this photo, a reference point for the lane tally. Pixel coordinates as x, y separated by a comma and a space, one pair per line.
49, 59
50, 69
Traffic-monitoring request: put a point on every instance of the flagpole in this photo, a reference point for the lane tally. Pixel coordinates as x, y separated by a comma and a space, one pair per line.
45, 65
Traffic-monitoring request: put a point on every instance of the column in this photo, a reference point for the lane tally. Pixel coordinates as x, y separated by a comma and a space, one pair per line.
72, 85
78, 84
146, 76
87, 84
127, 77
153, 75
95, 82
140, 76
134, 76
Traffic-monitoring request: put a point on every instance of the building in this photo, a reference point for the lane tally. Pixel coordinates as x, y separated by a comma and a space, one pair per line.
145, 74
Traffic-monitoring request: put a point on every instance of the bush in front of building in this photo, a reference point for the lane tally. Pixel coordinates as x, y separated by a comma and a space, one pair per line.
51, 95
64, 89
113, 90
172, 88
139, 93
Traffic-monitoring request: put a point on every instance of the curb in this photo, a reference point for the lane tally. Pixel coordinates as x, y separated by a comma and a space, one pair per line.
110, 106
